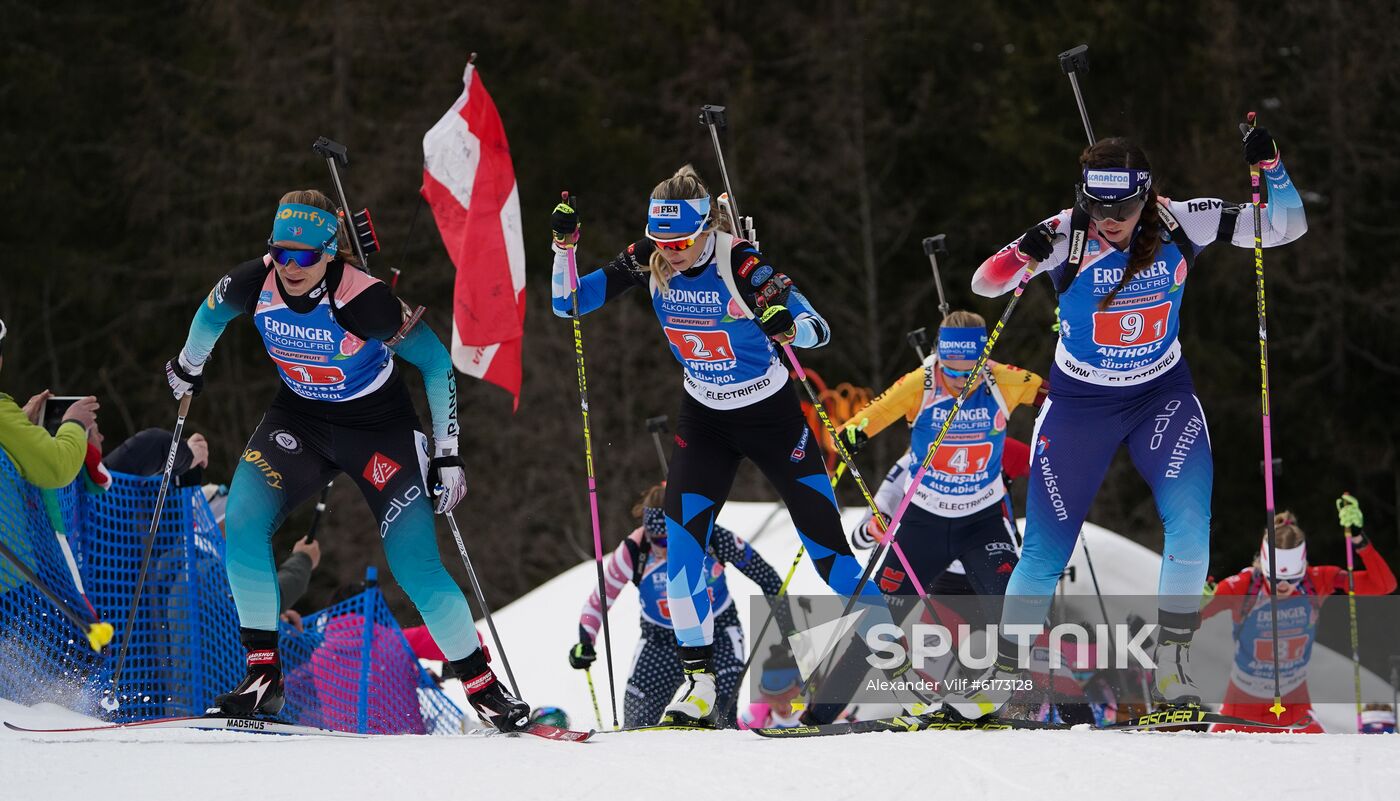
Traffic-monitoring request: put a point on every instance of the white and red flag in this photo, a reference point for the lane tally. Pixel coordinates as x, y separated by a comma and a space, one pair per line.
469, 183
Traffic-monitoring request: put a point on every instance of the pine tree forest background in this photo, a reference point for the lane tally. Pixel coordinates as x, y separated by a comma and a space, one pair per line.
145, 145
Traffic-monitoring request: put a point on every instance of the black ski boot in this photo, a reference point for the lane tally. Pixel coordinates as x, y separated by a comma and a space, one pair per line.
490, 700
260, 694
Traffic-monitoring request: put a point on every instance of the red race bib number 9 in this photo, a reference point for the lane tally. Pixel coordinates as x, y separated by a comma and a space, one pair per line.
960, 459
310, 373
701, 346
1126, 329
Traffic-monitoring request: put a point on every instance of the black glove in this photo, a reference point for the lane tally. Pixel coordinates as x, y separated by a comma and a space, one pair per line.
854, 438
182, 382
778, 324
1038, 242
563, 224
1259, 146
582, 655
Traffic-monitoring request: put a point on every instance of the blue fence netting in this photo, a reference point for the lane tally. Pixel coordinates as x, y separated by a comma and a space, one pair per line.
349, 669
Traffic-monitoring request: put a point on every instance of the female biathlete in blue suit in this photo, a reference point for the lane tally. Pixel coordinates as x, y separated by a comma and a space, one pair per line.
333, 332
738, 402
1119, 261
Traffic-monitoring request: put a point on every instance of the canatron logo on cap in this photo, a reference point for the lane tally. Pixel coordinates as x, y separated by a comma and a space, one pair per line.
1107, 179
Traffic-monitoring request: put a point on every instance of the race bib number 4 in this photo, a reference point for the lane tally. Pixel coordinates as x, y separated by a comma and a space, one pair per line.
310, 373
959, 459
1126, 329
701, 346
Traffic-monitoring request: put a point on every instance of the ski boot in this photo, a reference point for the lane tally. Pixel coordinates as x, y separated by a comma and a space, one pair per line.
694, 704
1171, 684
492, 703
987, 693
260, 694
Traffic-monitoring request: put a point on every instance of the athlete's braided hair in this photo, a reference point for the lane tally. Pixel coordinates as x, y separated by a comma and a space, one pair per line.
317, 198
685, 185
1119, 153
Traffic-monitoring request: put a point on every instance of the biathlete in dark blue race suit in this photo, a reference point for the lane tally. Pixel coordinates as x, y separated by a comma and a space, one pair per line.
704, 283
333, 332
1119, 261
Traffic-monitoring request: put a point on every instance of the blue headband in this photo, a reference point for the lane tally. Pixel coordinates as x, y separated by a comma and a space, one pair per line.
1115, 184
677, 218
961, 343
306, 225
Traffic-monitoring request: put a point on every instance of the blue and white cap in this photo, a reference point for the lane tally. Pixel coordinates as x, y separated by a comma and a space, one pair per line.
654, 521
675, 219
961, 343
308, 225
1112, 185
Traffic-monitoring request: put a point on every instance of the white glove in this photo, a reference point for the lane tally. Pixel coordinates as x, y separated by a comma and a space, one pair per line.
865, 535
183, 377
447, 478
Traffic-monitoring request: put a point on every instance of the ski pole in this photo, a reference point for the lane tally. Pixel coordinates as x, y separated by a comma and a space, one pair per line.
98, 633
481, 599
593, 694
320, 510
592, 481
1073, 61
657, 427
1245, 128
1351, 611
109, 701
1103, 608
933, 246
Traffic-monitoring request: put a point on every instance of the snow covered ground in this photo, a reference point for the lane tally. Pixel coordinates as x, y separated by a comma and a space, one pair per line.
537, 631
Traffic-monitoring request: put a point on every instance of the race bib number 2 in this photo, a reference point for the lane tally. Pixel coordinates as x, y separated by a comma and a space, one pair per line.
701, 346
1130, 328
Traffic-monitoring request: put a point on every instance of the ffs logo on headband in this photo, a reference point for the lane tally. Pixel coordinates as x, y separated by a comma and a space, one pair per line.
677, 218
306, 225
961, 343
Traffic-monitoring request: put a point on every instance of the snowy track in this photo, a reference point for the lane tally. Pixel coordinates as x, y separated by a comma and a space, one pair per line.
178, 766
538, 629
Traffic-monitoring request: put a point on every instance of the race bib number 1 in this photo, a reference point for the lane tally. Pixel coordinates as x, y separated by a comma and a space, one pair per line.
1126, 329
310, 373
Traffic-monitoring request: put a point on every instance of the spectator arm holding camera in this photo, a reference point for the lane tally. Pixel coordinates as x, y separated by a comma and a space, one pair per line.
49, 462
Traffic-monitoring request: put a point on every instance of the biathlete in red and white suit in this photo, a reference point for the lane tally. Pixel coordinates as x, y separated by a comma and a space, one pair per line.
1302, 589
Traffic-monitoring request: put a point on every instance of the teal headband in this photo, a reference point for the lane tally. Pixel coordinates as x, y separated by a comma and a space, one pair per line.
308, 225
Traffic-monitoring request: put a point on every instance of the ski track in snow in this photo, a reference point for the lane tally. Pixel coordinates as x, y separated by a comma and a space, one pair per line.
184, 765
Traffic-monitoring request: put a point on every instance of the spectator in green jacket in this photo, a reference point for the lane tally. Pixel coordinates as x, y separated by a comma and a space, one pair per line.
46, 461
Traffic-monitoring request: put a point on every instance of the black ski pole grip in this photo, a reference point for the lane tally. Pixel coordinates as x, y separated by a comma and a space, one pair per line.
1075, 59
657, 424
713, 115
935, 244
331, 150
